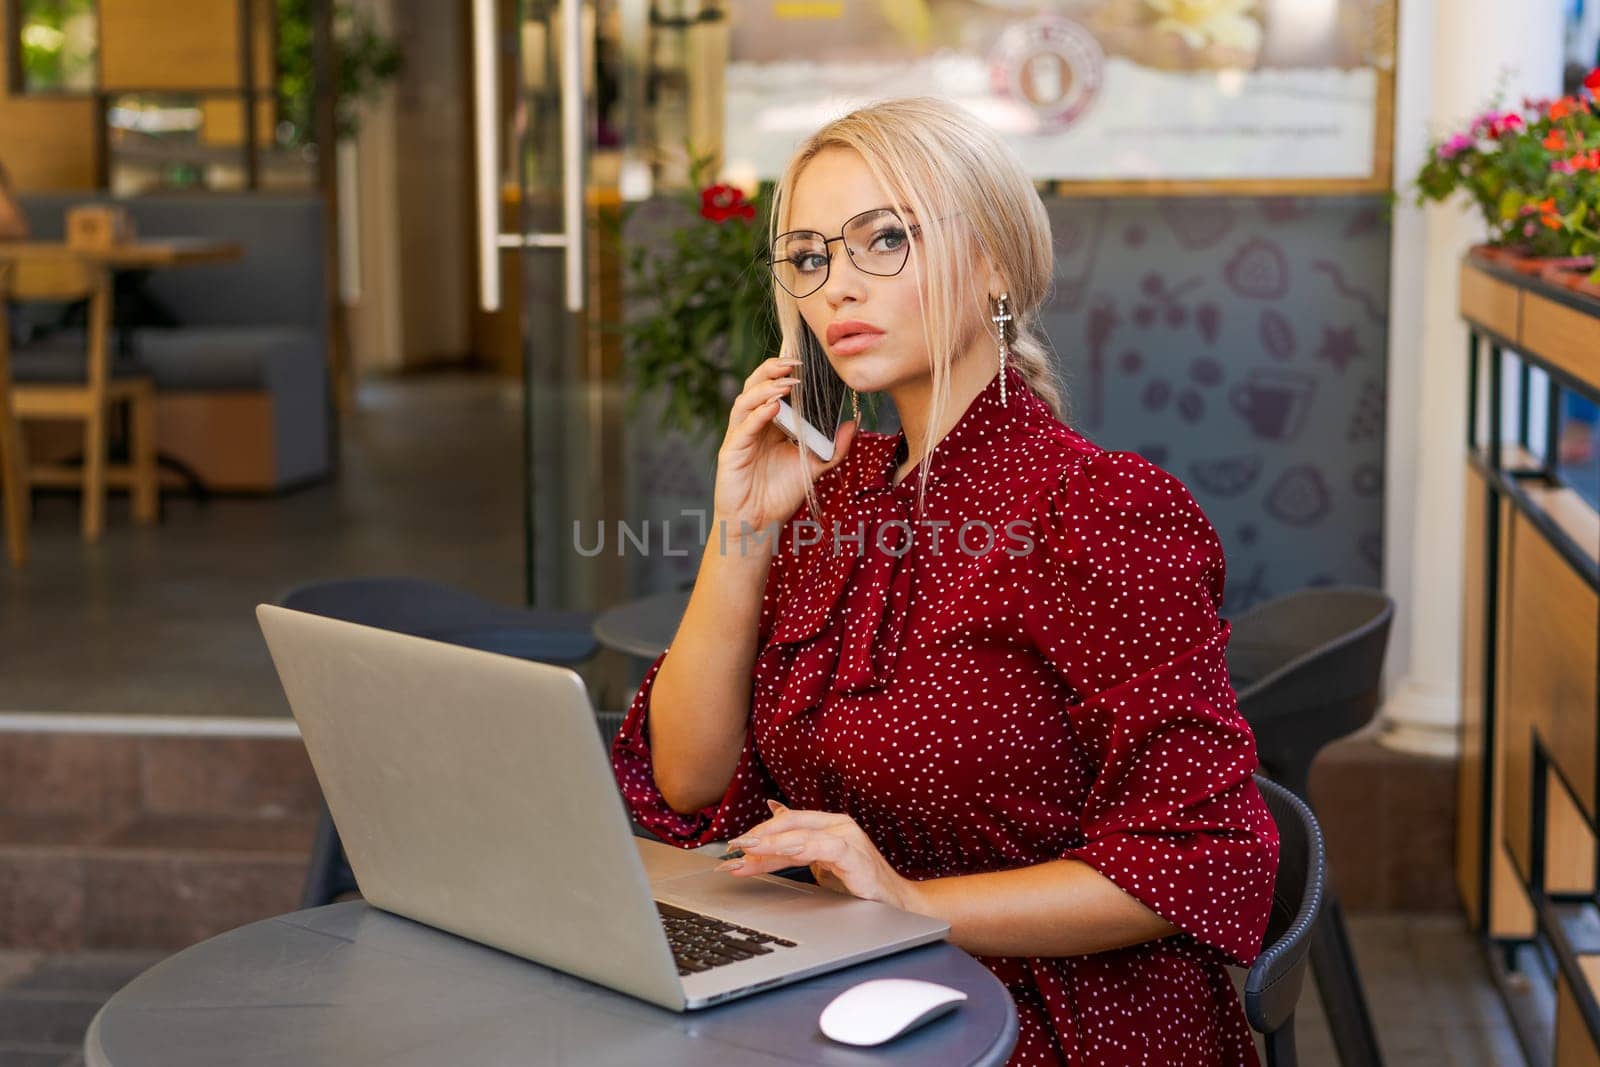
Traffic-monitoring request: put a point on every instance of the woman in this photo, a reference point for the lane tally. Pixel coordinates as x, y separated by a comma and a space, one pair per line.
1037, 742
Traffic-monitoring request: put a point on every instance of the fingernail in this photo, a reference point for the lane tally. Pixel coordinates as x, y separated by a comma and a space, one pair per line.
773, 805
791, 850
746, 843
731, 865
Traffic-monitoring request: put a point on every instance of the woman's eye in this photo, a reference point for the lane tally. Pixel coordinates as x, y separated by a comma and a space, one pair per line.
800, 260
894, 236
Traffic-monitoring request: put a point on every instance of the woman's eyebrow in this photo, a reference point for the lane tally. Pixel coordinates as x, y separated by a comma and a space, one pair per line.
906, 213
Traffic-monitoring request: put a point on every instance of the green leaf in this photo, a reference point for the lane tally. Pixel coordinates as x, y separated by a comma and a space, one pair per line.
1511, 202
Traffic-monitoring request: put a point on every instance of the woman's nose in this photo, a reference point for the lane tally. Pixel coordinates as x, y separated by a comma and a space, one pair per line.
844, 280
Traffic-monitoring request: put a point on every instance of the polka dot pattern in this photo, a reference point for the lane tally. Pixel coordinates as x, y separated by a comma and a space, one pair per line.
1062, 695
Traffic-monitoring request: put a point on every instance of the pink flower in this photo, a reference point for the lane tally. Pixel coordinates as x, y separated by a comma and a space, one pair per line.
1455, 146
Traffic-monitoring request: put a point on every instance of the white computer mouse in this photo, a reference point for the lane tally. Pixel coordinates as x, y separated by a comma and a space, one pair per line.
883, 1008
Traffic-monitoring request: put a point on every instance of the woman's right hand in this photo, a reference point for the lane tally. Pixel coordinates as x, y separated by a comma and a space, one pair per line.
760, 480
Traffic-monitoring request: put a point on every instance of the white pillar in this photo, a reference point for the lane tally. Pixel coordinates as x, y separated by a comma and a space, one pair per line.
1452, 56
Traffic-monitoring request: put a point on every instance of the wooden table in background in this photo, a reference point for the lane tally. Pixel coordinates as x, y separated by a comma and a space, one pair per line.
150, 253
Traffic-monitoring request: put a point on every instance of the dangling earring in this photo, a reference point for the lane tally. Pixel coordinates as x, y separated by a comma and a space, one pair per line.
1002, 319
855, 406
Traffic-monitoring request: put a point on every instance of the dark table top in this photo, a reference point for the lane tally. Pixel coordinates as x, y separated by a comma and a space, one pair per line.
352, 984
642, 627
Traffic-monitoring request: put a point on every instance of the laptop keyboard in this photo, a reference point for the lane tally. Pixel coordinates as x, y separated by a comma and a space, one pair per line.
700, 942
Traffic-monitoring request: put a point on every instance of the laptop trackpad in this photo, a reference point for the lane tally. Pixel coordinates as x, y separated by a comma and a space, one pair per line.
720, 893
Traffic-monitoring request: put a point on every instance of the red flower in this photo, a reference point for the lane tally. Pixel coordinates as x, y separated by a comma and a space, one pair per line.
1503, 124
719, 203
1562, 108
1547, 212
1589, 160
1555, 140
1591, 81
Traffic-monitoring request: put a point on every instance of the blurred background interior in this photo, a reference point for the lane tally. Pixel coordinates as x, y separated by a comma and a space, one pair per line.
368, 284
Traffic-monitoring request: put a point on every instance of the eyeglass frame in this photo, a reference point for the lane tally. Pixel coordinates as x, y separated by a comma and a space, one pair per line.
913, 229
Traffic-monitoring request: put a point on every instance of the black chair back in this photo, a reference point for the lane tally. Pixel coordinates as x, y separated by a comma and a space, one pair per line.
1307, 668
1272, 988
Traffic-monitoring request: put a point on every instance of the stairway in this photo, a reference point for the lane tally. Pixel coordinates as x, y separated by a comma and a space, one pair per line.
125, 841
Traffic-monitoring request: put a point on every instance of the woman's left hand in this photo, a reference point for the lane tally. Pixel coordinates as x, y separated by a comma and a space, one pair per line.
840, 854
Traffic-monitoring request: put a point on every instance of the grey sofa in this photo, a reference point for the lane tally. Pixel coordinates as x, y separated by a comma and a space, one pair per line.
242, 380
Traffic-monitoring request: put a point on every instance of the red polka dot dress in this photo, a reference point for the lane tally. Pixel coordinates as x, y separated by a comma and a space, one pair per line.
1031, 669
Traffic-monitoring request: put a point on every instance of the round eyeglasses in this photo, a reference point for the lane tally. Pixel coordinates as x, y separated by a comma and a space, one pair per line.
877, 240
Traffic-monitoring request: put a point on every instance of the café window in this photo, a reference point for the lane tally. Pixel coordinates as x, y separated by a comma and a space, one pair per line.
57, 46
191, 94
175, 141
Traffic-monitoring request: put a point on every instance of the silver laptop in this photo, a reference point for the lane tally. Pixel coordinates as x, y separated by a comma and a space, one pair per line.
473, 793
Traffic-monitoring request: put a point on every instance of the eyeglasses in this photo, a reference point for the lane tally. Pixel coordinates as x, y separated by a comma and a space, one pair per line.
877, 240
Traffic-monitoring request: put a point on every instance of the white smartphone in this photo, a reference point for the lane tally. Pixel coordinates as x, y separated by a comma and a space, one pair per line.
823, 400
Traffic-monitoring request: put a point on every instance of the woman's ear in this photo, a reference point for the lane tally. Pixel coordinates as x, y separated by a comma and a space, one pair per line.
993, 282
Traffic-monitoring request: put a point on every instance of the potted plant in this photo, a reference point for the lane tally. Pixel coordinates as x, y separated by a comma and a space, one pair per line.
366, 60
1534, 174
699, 295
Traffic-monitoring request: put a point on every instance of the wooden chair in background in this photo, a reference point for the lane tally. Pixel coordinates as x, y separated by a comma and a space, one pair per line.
80, 382
13, 460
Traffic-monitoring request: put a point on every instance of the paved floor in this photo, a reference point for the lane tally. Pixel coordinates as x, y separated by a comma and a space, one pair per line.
159, 620
1429, 988
1430, 995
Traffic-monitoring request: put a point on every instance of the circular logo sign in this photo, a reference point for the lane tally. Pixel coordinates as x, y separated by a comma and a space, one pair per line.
1051, 64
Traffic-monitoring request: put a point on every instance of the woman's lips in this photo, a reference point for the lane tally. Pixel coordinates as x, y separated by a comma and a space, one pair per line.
856, 342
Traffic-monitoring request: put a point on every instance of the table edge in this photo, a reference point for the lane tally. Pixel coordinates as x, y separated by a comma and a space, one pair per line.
94, 1054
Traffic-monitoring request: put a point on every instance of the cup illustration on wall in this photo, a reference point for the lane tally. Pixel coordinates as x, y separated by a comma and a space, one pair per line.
1274, 402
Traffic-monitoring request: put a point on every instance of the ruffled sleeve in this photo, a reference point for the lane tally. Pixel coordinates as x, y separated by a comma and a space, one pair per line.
1130, 576
744, 803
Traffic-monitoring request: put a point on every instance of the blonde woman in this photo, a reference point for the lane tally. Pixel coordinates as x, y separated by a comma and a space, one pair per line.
980, 672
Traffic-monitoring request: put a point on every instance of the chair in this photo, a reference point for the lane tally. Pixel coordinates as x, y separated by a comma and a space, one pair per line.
428, 609
80, 381
13, 458
1307, 667
242, 379
1272, 987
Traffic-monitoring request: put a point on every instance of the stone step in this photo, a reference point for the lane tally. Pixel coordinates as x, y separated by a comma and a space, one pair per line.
146, 882
127, 840
120, 774
148, 842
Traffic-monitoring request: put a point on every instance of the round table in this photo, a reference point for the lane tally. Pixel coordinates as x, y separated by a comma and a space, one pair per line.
349, 983
642, 627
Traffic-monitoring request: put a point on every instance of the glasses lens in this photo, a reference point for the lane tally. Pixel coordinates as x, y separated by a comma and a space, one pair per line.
878, 242
800, 262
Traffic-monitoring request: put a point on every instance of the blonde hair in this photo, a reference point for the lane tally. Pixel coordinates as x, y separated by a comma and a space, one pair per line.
955, 176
